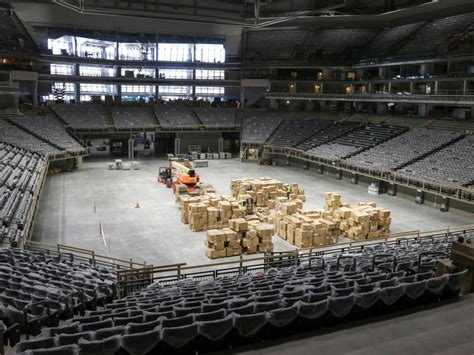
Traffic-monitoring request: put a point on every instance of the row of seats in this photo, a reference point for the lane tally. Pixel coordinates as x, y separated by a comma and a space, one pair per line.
38, 290
328, 134
216, 117
452, 164
257, 128
355, 141
404, 149
13, 135
82, 116
293, 131
14, 37
176, 116
133, 117
389, 38
20, 172
194, 314
50, 129
435, 33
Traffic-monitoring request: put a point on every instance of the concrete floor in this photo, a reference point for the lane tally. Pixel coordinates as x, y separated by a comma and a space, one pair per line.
154, 233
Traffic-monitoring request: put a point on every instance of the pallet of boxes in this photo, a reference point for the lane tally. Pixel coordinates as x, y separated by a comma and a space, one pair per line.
361, 222
240, 237
304, 229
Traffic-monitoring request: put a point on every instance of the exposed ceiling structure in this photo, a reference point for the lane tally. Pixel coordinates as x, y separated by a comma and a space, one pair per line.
255, 14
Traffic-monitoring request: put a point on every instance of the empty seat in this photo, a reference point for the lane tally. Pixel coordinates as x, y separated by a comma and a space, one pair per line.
390, 295
179, 336
341, 306
249, 325
215, 329
283, 316
367, 299
141, 342
106, 346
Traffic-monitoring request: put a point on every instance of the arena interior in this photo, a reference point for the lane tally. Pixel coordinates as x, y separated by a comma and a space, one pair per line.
258, 176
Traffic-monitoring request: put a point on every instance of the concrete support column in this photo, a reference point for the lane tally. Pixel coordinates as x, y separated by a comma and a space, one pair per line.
322, 88
78, 92
436, 87
370, 88
35, 93
389, 87
220, 145
422, 110
242, 97
412, 86
80, 162
464, 87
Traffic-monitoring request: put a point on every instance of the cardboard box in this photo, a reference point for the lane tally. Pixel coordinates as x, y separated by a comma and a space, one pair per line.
238, 224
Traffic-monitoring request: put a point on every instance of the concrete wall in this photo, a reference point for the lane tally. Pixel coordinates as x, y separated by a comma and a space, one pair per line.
204, 139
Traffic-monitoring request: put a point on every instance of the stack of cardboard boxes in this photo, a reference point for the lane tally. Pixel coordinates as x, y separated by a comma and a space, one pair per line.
221, 243
241, 237
364, 221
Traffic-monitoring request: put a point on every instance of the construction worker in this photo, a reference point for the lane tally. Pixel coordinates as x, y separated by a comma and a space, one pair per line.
288, 191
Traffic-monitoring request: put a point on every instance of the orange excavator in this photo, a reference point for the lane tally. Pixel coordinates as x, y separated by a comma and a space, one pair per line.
177, 173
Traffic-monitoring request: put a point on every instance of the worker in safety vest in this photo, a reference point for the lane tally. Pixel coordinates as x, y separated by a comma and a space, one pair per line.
288, 191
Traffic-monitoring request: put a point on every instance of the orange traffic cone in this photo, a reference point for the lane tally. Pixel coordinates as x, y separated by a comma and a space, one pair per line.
137, 205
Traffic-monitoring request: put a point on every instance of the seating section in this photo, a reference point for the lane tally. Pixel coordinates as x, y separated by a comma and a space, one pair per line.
273, 44
133, 117
20, 173
453, 164
294, 131
355, 141
216, 117
404, 149
14, 36
386, 40
50, 129
328, 134
257, 128
175, 116
37, 289
82, 116
194, 315
338, 41
437, 32
13, 135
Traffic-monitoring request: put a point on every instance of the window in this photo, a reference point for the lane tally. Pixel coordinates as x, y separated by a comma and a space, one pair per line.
138, 89
175, 74
69, 87
210, 74
92, 48
210, 90
64, 45
176, 90
210, 53
137, 51
138, 71
96, 71
62, 69
97, 89
175, 52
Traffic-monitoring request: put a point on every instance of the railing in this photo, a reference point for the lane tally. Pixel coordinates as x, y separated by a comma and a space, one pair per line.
374, 97
83, 255
134, 280
444, 189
